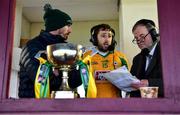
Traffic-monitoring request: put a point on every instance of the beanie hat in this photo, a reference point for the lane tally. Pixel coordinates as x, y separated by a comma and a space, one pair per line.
55, 19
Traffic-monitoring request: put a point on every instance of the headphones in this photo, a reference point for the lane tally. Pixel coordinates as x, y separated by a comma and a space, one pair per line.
94, 31
150, 25
152, 30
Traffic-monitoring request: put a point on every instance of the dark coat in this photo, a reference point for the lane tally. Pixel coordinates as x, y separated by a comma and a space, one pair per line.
153, 73
29, 66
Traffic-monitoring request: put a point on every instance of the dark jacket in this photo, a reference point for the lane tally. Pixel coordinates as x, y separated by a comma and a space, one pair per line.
29, 65
153, 73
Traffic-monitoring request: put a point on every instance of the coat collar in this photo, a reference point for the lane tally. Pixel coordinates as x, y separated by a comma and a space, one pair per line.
154, 60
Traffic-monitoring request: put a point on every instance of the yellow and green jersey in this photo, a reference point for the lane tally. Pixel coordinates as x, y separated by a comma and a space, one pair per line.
104, 63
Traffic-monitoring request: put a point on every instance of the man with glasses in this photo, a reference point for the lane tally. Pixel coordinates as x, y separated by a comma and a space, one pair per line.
147, 64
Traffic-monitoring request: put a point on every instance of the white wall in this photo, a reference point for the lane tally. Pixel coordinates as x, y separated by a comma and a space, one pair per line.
80, 30
35, 29
18, 20
14, 80
26, 27
130, 12
13, 90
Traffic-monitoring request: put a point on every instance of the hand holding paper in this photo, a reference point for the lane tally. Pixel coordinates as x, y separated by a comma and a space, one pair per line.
122, 78
142, 83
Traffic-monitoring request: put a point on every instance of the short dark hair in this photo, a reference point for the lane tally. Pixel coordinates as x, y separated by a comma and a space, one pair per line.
143, 22
150, 25
97, 28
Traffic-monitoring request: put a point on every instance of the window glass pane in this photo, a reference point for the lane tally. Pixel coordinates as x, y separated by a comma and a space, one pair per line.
28, 26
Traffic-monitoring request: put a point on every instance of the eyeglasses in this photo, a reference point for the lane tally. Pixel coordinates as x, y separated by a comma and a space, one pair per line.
135, 41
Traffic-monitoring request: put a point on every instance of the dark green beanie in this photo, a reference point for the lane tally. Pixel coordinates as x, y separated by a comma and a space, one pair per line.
55, 19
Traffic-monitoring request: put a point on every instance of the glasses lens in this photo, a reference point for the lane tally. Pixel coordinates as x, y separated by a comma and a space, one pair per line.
142, 38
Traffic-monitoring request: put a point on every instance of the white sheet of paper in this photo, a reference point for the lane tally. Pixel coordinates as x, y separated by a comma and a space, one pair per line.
121, 78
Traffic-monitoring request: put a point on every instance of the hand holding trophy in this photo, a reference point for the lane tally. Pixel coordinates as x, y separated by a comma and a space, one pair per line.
62, 56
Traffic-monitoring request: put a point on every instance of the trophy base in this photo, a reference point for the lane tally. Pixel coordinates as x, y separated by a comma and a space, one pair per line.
63, 94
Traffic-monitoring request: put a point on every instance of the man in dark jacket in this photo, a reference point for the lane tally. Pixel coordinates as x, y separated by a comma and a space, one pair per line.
147, 64
57, 29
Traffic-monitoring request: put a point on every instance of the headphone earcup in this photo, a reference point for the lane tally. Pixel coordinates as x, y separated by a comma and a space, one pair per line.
93, 40
152, 31
113, 45
154, 34
114, 41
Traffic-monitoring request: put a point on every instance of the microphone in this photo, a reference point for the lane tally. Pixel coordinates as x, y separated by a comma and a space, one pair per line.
145, 52
151, 47
112, 46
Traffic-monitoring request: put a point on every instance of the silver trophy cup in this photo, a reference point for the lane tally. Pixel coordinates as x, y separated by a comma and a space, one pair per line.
63, 56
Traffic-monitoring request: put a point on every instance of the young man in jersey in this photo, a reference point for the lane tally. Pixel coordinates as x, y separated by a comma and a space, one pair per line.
104, 58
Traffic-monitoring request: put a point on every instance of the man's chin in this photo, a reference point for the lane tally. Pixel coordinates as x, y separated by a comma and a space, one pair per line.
141, 47
103, 49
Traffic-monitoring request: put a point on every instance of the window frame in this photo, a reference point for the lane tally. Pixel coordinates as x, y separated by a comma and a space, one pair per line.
168, 22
